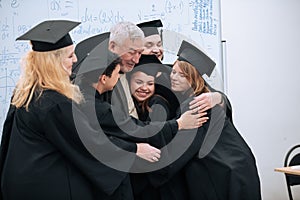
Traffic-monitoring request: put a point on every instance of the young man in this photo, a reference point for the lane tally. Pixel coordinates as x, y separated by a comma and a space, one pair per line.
153, 44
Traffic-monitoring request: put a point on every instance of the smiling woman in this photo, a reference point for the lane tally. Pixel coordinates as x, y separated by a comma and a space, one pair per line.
215, 173
142, 86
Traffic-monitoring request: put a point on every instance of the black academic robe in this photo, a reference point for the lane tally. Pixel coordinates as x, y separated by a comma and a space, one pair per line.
227, 170
116, 122
160, 109
149, 185
128, 129
42, 156
125, 133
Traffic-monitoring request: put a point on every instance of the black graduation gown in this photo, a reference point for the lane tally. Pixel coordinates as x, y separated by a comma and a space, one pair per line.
124, 133
116, 122
228, 171
112, 114
160, 111
149, 185
43, 157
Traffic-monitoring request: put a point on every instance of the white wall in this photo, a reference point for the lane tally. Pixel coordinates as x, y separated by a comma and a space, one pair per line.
263, 70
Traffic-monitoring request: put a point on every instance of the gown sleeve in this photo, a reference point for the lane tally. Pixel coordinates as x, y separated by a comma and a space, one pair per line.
70, 132
7, 126
160, 109
134, 130
227, 107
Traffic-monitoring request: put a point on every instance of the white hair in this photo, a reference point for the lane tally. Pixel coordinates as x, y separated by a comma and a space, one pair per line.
124, 30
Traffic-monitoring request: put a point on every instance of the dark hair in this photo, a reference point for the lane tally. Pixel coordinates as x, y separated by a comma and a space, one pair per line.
93, 76
111, 67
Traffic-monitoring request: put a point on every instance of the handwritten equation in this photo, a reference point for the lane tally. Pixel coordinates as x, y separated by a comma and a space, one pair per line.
204, 20
62, 8
7, 83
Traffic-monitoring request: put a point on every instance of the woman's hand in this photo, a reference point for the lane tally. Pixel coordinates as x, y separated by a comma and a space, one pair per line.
206, 101
148, 152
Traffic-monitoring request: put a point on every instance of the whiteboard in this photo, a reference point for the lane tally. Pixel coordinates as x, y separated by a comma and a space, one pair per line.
197, 21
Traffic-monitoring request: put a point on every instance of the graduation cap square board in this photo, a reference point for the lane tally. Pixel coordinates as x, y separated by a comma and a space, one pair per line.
50, 35
150, 27
191, 54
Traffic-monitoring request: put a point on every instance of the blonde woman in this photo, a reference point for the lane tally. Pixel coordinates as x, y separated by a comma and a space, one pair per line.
42, 156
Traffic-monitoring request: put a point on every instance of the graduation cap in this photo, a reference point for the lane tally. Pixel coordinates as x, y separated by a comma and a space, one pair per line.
191, 54
150, 65
84, 48
150, 27
94, 56
50, 35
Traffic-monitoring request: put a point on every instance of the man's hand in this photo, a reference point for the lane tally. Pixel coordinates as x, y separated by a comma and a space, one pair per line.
191, 119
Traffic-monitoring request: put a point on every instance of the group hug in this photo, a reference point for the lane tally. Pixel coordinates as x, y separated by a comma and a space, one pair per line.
107, 119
